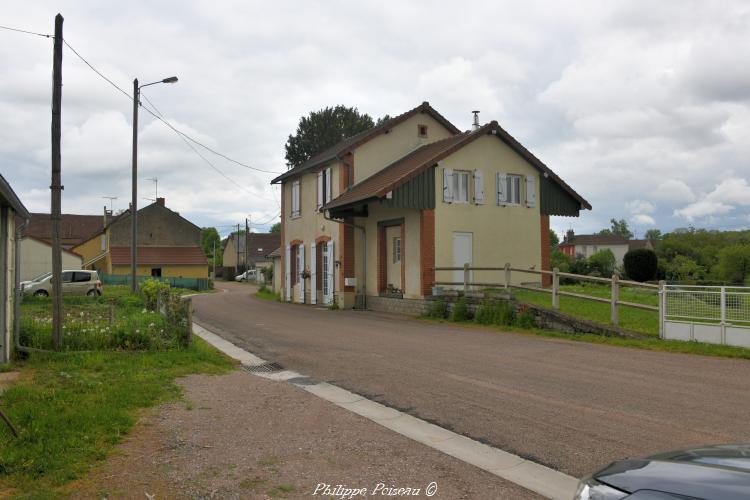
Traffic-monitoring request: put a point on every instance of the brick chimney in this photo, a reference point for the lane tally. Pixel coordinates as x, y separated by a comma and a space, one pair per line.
107, 215
160, 202
569, 235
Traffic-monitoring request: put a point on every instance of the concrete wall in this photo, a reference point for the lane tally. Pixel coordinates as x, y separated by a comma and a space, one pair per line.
157, 226
229, 259
378, 153
500, 233
36, 259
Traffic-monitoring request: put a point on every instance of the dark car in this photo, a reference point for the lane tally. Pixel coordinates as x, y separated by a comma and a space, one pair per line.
712, 472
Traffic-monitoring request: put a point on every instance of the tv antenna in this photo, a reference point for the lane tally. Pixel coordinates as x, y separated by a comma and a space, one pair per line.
111, 202
156, 186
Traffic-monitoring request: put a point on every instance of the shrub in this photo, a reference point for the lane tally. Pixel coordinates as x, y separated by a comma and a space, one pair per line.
438, 309
526, 319
152, 289
734, 264
461, 310
561, 261
485, 314
640, 264
504, 314
604, 262
267, 273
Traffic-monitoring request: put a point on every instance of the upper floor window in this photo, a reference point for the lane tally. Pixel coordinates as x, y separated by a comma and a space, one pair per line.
508, 189
455, 186
295, 198
422, 130
324, 187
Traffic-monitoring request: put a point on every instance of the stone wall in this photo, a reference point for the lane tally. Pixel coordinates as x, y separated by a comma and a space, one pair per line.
411, 307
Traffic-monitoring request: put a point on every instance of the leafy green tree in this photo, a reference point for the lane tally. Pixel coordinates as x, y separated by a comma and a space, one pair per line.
383, 119
734, 264
553, 239
640, 264
321, 130
561, 261
276, 228
603, 262
209, 238
685, 269
619, 228
653, 234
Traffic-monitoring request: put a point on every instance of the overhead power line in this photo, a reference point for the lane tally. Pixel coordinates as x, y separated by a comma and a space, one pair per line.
27, 32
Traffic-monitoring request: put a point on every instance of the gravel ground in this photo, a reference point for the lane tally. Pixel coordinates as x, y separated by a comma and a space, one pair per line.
242, 436
570, 405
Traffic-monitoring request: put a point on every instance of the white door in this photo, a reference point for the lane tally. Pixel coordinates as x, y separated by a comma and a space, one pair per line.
462, 254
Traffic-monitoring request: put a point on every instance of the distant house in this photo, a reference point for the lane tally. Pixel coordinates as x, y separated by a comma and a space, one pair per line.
585, 245
36, 258
168, 245
12, 212
275, 257
252, 250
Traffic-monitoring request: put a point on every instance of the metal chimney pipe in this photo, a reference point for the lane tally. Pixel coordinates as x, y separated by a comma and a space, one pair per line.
475, 125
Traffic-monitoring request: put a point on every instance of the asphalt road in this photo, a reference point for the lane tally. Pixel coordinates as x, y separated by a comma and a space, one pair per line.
569, 405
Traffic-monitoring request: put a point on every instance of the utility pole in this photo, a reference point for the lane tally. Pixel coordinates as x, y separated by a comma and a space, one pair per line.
134, 203
247, 235
214, 258
56, 186
237, 244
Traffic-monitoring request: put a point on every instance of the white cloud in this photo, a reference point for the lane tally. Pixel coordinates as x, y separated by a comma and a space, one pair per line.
644, 220
640, 207
674, 191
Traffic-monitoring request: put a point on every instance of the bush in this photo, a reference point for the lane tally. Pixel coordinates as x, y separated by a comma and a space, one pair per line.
152, 289
438, 309
526, 319
640, 264
561, 261
504, 314
267, 273
461, 310
734, 264
485, 314
603, 262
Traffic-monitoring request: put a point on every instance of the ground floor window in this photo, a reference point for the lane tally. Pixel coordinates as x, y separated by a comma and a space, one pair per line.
325, 263
156, 272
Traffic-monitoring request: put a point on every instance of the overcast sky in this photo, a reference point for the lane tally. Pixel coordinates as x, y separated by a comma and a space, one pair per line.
642, 107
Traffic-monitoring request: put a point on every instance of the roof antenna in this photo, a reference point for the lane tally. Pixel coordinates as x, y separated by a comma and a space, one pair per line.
111, 201
475, 125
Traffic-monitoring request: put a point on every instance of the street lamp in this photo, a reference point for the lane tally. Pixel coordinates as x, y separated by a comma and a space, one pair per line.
134, 202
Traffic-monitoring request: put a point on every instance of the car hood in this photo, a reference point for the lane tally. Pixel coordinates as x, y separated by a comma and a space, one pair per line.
712, 473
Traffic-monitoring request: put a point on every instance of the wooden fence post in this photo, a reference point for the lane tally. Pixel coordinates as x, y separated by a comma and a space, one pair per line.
614, 298
466, 278
555, 289
507, 275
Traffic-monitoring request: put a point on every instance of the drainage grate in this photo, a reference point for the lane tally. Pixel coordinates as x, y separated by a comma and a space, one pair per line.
264, 368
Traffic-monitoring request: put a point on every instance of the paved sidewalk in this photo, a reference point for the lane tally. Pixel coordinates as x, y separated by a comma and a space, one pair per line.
242, 436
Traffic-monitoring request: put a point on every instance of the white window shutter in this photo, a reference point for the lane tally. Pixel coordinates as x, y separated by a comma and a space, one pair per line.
320, 190
478, 187
447, 185
330, 270
300, 269
288, 267
530, 191
502, 189
313, 275
328, 185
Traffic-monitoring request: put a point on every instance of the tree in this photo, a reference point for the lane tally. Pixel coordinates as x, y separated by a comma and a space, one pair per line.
321, 130
684, 269
619, 228
640, 264
653, 234
209, 237
276, 228
734, 264
553, 239
561, 261
603, 262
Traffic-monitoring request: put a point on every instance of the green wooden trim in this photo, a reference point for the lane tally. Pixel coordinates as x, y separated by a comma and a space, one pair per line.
417, 193
555, 200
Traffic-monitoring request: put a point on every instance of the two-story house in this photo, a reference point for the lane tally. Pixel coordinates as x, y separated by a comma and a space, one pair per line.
375, 214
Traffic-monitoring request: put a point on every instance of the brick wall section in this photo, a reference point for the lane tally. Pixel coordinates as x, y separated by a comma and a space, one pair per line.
427, 251
382, 260
546, 250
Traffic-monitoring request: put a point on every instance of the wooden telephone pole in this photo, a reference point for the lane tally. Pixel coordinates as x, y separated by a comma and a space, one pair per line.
56, 186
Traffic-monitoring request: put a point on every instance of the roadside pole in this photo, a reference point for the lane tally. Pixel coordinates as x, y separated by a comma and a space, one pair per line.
247, 235
56, 186
237, 244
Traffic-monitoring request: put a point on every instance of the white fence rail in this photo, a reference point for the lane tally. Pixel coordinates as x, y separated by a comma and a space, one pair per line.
713, 314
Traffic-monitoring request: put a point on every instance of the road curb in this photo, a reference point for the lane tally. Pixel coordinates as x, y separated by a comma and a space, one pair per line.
531, 475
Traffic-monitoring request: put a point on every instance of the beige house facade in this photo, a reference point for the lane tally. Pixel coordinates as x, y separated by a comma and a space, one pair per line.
36, 258
376, 214
12, 213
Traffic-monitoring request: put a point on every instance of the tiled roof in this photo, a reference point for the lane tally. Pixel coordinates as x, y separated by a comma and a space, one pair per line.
8, 197
159, 256
636, 244
416, 162
260, 244
346, 145
595, 239
275, 253
74, 228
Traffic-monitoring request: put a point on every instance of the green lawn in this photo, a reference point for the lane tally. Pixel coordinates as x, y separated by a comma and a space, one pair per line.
267, 294
637, 320
71, 409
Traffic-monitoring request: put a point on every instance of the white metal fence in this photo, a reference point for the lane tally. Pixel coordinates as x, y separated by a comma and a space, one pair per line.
713, 314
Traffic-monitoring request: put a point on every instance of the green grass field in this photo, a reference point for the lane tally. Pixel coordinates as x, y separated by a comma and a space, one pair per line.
72, 408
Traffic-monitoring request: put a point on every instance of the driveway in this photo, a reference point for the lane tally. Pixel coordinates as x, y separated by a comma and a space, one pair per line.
569, 405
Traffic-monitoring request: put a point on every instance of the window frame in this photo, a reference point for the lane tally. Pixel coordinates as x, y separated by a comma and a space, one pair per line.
396, 249
513, 184
422, 131
296, 209
456, 176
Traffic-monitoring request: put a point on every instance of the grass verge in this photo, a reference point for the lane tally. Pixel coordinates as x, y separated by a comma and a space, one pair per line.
267, 294
71, 409
651, 344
